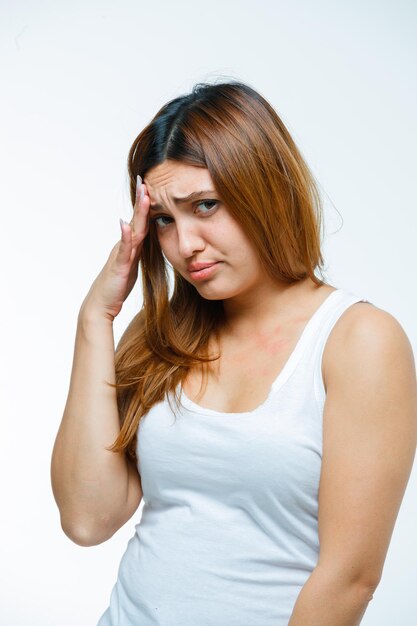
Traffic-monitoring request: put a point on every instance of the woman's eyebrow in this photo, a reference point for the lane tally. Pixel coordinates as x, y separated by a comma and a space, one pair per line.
182, 200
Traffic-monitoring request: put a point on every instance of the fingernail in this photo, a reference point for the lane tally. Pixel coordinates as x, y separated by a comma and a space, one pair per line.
142, 193
138, 184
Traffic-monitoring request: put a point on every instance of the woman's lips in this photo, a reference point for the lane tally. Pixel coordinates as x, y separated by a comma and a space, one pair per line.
206, 272
199, 265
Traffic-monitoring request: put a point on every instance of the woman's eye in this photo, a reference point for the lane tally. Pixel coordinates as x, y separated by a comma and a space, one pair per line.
209, 209
160, 217
207, 202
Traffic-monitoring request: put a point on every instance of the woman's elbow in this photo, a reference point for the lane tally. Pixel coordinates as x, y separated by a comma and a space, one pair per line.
86, 535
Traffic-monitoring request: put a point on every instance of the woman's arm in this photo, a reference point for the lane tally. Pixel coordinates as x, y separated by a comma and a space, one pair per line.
369, 445
96, 491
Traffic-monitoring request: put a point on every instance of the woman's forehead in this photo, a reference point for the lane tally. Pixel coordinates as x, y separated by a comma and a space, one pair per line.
172, 179
176, 174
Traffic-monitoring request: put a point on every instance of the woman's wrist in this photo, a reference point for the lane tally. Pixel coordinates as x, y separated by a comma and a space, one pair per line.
91, 312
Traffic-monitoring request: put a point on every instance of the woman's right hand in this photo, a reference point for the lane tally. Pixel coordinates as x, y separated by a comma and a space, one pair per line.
118, 276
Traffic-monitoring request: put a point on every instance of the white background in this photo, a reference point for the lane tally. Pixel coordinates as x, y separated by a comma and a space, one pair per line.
79, 80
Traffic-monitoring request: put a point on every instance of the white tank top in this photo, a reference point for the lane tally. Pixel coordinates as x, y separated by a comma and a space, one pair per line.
229, 534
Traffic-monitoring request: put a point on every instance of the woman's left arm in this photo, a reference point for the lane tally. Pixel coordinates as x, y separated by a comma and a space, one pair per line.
369, 445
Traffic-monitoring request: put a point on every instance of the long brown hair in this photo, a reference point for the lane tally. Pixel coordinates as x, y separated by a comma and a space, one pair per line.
259, 173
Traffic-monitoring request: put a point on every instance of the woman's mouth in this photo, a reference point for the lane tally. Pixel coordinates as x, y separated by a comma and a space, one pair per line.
206, 272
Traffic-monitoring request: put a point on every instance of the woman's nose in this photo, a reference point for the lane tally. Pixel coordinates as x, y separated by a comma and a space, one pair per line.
190, 239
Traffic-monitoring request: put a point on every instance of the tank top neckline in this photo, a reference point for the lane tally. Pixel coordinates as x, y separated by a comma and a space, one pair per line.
285, 371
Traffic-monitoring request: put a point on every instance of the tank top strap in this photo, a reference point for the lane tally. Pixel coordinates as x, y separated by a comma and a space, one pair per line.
326, 319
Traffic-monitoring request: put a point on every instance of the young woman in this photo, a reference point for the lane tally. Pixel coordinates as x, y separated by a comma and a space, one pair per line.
267, 419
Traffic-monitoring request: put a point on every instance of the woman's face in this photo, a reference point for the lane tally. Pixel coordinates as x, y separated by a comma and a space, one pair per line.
200, 230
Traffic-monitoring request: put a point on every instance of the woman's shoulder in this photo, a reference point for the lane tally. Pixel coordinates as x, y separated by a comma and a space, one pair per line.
363, 334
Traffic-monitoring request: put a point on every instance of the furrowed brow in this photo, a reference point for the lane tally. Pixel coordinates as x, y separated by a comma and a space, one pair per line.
195, 195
